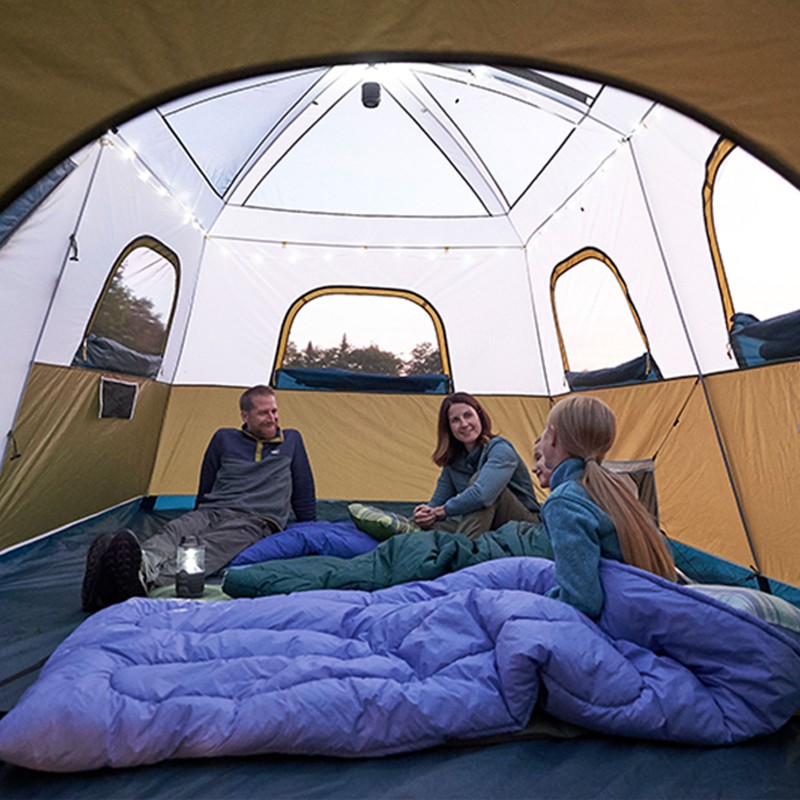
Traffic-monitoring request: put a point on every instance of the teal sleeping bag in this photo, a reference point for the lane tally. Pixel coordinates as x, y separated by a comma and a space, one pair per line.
402, 558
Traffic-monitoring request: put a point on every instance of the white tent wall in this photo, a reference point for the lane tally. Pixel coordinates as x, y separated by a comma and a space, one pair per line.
31, 264
148, 145
71, 463
120, 208
245, 290
609, 214
671, 156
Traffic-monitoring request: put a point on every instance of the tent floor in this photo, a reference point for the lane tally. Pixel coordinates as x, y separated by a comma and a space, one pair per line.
594, 767
40, 606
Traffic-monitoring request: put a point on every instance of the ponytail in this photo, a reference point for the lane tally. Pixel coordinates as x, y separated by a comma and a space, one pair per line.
641, 543
586, 428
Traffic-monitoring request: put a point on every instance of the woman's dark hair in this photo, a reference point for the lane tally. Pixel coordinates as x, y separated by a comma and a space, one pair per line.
447, 446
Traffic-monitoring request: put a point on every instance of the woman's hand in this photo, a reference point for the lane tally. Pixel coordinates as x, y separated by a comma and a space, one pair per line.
425, 516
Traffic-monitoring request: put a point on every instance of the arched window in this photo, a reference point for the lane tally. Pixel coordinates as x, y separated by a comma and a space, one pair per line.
362, 339
599, 330
751, 215
129, 326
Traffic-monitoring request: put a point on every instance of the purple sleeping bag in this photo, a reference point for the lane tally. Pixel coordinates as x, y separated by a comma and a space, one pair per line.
369, 674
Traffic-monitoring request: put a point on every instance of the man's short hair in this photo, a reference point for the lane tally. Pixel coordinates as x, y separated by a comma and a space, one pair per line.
246, 400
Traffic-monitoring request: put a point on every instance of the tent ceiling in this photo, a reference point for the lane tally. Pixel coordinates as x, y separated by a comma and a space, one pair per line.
723, 62
444, 141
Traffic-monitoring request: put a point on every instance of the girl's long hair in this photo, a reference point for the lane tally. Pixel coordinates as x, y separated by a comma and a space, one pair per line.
447, 446
586, 428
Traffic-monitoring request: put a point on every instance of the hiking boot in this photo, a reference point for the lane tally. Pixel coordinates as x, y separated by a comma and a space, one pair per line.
90, 600
121, 570
380, 524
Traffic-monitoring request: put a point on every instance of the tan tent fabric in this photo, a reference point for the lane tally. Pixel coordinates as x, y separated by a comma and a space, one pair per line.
70, 70
62, 444
760, 427
362, 446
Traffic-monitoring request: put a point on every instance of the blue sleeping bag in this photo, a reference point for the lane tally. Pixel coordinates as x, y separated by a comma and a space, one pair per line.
318, 538
346, 673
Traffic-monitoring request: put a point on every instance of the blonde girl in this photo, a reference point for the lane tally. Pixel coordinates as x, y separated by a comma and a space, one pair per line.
592, 513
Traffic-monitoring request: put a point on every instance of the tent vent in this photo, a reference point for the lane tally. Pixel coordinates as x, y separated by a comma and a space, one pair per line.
643, 475
117, 398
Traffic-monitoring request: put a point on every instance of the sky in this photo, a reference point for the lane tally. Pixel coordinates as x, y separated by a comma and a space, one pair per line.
392, 323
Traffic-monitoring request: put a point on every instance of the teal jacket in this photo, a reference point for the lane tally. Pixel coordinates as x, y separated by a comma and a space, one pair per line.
495, 465
581, 534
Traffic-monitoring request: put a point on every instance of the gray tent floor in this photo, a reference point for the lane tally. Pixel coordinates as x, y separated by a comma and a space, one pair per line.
40, 606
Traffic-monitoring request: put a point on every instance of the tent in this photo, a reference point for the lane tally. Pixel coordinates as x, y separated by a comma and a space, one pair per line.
487, 195
517, 154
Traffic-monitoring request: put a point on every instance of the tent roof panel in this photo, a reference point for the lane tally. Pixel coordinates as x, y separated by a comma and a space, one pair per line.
221, 129
360, 160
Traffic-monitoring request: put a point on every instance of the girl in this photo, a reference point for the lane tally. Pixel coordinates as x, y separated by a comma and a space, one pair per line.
592, 513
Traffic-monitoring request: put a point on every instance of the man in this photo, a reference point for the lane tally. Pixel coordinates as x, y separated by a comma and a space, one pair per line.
250, 480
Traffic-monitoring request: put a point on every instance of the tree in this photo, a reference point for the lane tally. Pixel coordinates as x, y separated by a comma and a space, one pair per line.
292, 356
373, 359
424, 359
129, 320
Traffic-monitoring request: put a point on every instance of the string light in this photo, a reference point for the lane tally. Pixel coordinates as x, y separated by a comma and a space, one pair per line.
181, 203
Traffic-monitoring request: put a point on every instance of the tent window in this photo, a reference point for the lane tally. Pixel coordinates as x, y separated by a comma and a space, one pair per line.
751, 214
600, 334
351, 339
129, 326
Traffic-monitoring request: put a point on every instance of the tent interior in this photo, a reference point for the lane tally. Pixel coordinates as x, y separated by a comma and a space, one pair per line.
487, 226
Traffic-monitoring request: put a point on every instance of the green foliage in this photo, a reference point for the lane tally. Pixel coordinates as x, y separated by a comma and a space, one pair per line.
424, 358
129, 320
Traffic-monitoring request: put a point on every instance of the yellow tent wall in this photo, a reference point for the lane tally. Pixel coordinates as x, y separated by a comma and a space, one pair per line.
66, 463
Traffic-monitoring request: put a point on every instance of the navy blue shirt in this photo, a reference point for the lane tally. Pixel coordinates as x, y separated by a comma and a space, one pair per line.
261, 476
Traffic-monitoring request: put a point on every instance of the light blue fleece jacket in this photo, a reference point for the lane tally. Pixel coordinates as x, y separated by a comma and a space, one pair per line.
581, 534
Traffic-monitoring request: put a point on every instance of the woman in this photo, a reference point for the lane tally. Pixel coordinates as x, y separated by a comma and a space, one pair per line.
592, 513
483, 484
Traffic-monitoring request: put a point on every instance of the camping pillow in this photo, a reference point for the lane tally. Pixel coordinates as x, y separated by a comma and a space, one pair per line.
767, 607
104, 353
343, 380
638, 370
755, 342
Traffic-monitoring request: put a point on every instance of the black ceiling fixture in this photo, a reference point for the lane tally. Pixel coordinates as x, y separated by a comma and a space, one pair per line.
370, 94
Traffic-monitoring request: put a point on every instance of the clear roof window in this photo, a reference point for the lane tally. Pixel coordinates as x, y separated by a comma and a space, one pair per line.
514, 151
240, 116
444, 140
359, 160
